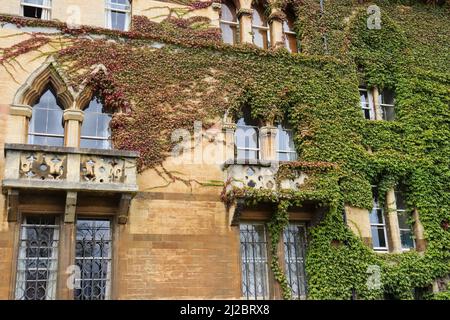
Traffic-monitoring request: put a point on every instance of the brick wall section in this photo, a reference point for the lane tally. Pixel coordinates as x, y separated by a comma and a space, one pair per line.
178, 249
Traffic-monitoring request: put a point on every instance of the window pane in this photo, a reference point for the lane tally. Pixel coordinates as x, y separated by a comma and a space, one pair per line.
32, 12
376, 216
260, 38
291, 43
254, 261
93, 257
294, 255
118, 20
37, 2
403, 220
388, 113
229, 33
38, 258
46, 124
406, 239
95, 130
228, 12
387, 96
246, 137
378, 237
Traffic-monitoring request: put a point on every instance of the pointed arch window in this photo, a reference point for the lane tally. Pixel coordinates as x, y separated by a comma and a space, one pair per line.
96, 130
46, 125
290, 37
247, 137
229, 22
285, 144
260, 27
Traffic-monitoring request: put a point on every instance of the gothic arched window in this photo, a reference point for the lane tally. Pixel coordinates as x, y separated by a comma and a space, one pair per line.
247, 137
285, 147
260, 27
46, 124
228, 22
290, 37
95, 130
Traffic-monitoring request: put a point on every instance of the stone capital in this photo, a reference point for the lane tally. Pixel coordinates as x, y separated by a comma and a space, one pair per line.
73, 114
229, 126
279, 16
244, 12
21, 110
268, 131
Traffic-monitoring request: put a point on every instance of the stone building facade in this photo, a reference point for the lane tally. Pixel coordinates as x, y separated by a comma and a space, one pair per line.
61, 190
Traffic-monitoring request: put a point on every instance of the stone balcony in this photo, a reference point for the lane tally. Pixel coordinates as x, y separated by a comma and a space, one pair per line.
46, 168
261, 175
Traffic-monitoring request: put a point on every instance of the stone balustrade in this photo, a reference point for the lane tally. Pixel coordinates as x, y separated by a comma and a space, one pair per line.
261, 175
72, 169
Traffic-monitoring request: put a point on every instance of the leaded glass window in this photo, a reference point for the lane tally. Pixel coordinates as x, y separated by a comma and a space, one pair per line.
254, 265
93, 257
294, 239
37, 263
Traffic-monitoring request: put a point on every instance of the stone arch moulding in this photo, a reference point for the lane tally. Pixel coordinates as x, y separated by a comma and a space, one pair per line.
34, 86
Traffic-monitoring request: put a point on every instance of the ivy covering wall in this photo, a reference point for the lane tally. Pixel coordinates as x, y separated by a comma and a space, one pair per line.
195, 77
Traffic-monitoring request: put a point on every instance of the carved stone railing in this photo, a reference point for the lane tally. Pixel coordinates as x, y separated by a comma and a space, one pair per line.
71, 169
261, 175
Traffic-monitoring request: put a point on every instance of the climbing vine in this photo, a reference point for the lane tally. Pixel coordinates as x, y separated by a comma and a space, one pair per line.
166, 76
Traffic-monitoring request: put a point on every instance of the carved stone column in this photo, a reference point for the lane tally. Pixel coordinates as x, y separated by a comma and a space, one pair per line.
392, 223
376, 104
267, 140
245, 25
276, 29
19, 119
419, 232
229, 130
73, 119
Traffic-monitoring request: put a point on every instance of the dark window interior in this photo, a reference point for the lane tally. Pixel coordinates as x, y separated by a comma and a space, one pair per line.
32, 12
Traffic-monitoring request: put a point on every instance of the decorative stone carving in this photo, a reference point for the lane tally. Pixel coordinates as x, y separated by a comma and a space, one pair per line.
102, 169
253, 176
43, 166
262, 176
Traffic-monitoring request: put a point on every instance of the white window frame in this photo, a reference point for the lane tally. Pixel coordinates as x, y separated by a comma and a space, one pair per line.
402, 212
261, 27
370, 105
383, 106
231, 23
110, 7
257, 150
46, 9
376, 206
292, 153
